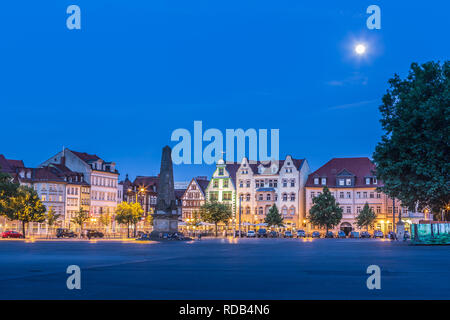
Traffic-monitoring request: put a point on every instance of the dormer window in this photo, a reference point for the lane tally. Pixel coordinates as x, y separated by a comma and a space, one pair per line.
220, 171
324, 181
348, 182
316, 180
375, 181
367, 180
341, 182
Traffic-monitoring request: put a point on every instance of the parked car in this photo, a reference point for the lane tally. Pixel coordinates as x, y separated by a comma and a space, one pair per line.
329, 234
378, 234
341, 234
365, 234
94, 234
301, 234
262, 233
315, 234
251, 234
273, 234
354, 234
287, 234
11, 234
236, 234
65, 233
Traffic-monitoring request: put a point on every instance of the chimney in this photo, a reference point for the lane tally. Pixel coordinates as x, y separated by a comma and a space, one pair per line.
63, 157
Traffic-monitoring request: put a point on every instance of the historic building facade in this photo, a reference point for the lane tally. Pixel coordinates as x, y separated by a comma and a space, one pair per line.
222, 187
353, 182
194, 197
101, 175
261, 185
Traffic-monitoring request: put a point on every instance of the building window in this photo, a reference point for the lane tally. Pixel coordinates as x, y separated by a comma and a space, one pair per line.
349, 210
372, 195
367, 180
261, 210
341, 182
293, 183
284, 210
358, 195
248, 183
349, 195
268, 197
348, 182
341, 195
375, 181
225, 183
292, 196
324, 181
220, 171
292, 211
285, 196
241, 183
313, 194
227, 195
364, 195
316, 181
378, 195
248, 197
378, 210
260, 197
358, 209
216, 183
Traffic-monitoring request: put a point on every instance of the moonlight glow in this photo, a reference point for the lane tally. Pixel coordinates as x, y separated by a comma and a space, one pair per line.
360, 49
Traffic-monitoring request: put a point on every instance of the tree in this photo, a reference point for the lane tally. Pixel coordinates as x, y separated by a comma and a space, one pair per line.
325, 212
136, 214
105, 220
123, 215
81, 216
51, 218
196, 220
412, 158
366, 217
26, 207
215, 212
8, 190
273, 217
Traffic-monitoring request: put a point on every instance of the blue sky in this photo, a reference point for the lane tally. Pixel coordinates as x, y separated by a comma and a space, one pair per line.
137, 70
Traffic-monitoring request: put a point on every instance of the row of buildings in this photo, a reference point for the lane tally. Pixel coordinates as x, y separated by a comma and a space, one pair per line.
71, 180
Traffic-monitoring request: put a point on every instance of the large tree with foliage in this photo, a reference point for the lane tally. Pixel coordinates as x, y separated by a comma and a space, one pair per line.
25, 206
8, 190
366, 217
80, 217
124, 213
413, 156
325, 212
51, 218
273, 217
215, 212
136, 214
105, 220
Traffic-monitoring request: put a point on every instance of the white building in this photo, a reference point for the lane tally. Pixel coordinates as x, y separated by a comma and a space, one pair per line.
101, 175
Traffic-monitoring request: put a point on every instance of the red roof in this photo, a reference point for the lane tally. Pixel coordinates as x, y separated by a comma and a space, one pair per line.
359, 168
86, 156
10, 166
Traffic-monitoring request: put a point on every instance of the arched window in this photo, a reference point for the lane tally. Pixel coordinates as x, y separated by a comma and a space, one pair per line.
285, 196
284, 210
261, 210
292, 210
292, 196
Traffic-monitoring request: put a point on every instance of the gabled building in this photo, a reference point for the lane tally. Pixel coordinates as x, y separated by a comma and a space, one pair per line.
222, 186
101, 175
261, 185
194, 197
353, 182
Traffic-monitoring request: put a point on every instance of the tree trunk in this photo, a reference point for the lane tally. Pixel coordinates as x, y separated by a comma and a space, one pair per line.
128, 230
135, 230
216, 229
23, 229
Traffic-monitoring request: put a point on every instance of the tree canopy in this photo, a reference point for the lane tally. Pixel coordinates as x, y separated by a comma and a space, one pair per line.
215, 212
26, 207
413, 157
325, 212
273, 217
366, 217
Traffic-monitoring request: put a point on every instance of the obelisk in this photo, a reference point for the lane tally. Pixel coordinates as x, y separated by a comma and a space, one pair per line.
165, 218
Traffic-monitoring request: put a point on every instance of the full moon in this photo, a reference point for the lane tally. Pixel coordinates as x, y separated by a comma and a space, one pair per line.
360, 49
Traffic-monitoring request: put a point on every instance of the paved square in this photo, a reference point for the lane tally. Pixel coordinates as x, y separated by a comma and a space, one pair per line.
224, 269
